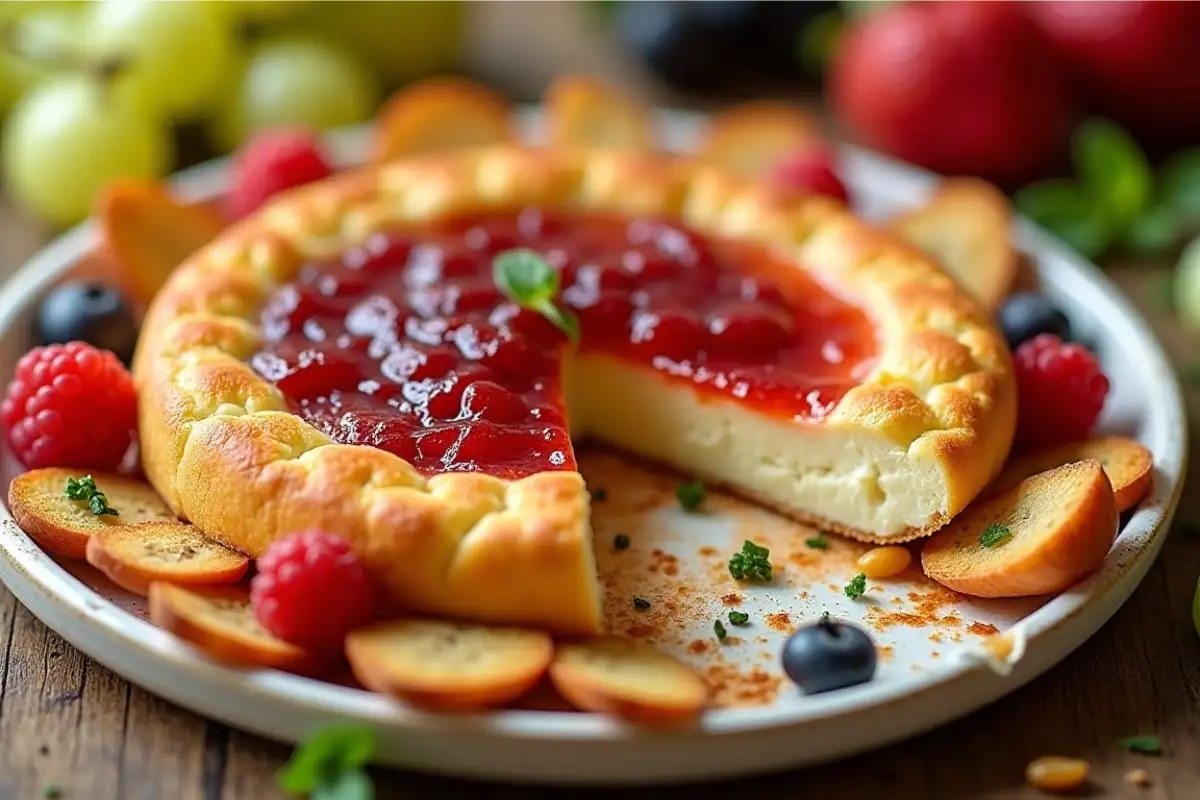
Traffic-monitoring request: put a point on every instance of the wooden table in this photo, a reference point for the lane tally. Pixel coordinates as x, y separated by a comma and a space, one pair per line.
69, 722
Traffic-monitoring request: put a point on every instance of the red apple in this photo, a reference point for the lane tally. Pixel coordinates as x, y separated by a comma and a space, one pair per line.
1137, 61
961, 88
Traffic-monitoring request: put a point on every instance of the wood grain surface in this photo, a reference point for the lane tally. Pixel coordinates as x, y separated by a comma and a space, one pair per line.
69, 724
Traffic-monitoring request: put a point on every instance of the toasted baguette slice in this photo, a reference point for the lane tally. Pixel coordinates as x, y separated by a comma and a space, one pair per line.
630, 680
135, 556
62, 526
145, 233
581, 112
448, 666
440, 114
752, 138
1128, 465
1062, 524
220, 621
967, 227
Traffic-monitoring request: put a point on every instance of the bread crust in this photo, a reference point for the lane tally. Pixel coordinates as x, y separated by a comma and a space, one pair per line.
220, 445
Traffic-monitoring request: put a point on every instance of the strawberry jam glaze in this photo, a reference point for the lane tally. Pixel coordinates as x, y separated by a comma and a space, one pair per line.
406, 344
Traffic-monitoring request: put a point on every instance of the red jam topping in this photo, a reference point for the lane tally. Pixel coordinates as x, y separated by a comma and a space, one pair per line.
406, 343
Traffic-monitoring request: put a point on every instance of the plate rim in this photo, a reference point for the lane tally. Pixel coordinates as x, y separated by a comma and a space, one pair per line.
26, 564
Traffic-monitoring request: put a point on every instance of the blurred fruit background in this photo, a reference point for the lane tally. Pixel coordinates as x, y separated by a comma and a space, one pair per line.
1085, 111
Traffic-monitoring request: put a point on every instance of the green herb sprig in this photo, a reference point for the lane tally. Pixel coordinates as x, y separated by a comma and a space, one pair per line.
856, 587
85, 489
753, 563
995, 535
818, 542
690, 495
330, 764
1146, 745
525, 277
1116, 200
739, 618
720, 631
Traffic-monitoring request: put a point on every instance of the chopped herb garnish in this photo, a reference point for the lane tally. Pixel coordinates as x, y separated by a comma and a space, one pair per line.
691, 494
620, 542
719, 630
1146, 745
995, 535
753, 563
599, 495
856, 587
85, 489
818, 542
640, 604
329, 763
51, 791
525, 277
739, 618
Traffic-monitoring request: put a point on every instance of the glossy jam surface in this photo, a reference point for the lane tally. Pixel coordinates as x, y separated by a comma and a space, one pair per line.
406, 343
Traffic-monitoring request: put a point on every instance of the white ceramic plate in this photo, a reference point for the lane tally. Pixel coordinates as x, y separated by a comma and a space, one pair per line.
929, 640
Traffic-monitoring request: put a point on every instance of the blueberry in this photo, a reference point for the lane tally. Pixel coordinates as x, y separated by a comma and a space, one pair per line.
1028, 314
689, 44
88, 312
829, 655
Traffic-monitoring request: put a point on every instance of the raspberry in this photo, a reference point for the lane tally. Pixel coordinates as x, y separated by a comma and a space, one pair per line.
1060, 390
810, 170
272, 162
311, 590
70, 405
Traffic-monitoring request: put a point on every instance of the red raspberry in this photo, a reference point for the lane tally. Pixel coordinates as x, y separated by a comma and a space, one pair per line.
272, 162
70, 405
1060, 390
311, 590
809, 170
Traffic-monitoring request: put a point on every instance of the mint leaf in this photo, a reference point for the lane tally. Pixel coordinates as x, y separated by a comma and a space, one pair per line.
1065, 211
1179, 184
525, 277
1112, 169
353, 785
1155, 233
325, 756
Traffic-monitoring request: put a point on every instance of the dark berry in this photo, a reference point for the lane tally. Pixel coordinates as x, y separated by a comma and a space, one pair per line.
1028, 314
688, 44
829, 655
70, 405
88, 312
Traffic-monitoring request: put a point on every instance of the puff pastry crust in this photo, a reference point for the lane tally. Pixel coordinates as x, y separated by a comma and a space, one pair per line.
220, 445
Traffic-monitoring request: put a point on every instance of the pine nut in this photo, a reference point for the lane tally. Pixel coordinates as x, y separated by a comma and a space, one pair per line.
1057, 773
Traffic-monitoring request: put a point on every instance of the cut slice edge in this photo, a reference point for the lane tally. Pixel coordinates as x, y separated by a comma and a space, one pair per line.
146, 233
62, 526
1039, 538
448, 666
438, 114
630, 680
966, 226
135, 556
220, 621
1127, 463
752, 138
582, 112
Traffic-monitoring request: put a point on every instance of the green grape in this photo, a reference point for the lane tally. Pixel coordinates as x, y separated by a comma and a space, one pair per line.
296, 80
67, 138
1187, 284
172, 55
43, 40
399, 41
